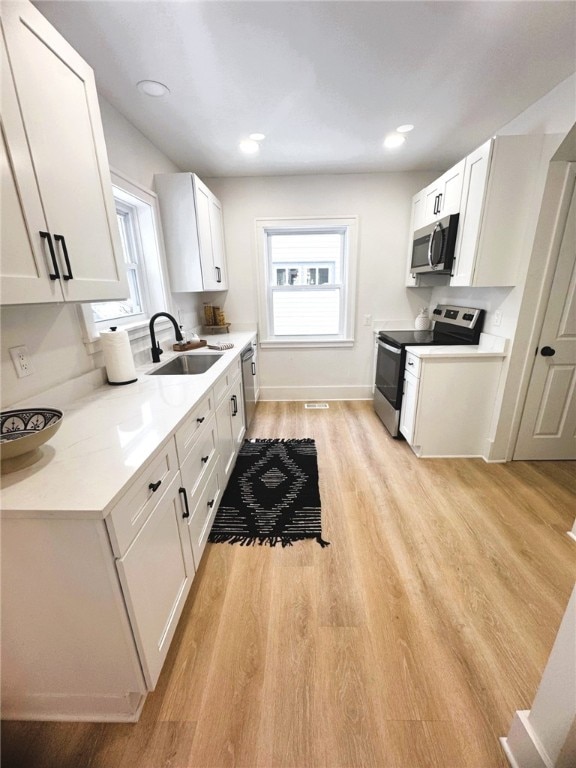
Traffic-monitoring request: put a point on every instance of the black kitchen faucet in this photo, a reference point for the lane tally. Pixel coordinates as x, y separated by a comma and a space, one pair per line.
156, 350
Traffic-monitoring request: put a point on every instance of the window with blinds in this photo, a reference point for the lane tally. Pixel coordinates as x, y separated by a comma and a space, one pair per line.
307, 274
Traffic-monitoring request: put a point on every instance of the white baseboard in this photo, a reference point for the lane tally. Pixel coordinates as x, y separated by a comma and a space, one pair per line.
351, 392
571, 534
522, 746
63, 708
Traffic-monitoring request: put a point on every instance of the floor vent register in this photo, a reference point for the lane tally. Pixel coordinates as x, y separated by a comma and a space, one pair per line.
316, 405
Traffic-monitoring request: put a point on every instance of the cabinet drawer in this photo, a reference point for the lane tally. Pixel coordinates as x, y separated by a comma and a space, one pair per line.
200, 459
137, 504
226, 380
203, 516
413, 364
187, 434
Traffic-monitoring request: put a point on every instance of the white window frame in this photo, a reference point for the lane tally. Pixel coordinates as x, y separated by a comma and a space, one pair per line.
153, 277
264, 227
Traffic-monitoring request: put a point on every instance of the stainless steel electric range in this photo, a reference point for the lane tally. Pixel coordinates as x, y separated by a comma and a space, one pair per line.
452, 325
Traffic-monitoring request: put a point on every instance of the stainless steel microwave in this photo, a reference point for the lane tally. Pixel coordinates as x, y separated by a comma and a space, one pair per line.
433, 246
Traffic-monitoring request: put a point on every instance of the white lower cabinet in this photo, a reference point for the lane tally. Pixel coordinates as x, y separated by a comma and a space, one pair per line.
156, 575
201, 482
231, 425
448, 403
68, 649
202, 516
409, 405
91, 601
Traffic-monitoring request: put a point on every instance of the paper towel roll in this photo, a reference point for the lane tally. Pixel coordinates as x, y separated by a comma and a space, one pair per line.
118, 357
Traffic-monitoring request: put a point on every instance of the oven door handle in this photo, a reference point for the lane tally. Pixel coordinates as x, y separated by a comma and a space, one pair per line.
395, 350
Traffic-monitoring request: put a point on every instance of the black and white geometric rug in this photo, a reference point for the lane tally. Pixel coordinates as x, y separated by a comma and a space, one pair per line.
272, 496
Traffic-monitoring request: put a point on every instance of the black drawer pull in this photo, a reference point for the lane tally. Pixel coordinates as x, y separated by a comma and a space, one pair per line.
186, 512
200, 419
154, 486
234, 400
218, 274
211, 503
60, 239
56, 274
204, 459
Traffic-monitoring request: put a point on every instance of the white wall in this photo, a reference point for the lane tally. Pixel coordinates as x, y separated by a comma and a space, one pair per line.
52, 332
383, 204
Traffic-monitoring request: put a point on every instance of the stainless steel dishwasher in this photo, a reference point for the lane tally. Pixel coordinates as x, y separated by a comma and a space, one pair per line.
248, 373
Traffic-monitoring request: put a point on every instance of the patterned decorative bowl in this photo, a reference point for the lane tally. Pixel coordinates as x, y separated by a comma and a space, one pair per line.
22, 432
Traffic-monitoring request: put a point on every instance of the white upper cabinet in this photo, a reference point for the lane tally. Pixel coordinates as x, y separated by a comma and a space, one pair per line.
55, 176
442, 197
193, 233
493, 191
496, 210
417, 220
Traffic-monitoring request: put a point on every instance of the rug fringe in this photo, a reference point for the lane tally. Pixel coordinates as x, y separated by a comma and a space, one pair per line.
280, 440
272, 541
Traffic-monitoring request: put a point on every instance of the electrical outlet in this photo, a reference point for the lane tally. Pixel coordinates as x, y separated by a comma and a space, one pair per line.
22, 362
497, 318
367, 319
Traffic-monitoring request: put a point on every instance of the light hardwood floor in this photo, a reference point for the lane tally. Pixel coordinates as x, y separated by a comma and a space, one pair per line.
407, 643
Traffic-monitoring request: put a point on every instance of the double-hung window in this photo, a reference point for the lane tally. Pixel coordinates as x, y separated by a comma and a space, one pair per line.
137, 216
132, 309
307, 276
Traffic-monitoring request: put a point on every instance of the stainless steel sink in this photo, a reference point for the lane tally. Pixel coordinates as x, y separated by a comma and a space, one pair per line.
186, 365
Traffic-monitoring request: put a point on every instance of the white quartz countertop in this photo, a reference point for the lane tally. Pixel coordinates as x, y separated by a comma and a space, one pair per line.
457, 350
107, 437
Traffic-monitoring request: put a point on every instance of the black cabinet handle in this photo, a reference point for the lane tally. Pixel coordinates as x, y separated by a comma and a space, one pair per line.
547, 352
60, 239
218, 274
439, 203
204, 459
56, 274
211, 503
253, 369
154, 486
200, 419
186, 512
234, 400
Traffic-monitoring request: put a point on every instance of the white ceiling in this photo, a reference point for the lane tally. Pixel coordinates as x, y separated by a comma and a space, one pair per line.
325, 81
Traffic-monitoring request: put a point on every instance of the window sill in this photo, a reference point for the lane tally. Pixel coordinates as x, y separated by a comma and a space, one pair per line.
299, 344
137, 330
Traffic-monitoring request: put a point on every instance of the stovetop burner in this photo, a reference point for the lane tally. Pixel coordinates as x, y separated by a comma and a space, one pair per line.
453, 325
407, 337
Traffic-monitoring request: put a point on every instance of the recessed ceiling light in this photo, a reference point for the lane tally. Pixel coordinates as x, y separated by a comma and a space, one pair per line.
249, 146
405, 128
257, 136
153, 88
394, 140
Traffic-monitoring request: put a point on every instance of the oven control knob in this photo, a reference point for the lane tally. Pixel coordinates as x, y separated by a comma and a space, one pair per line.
467, 316
437, 311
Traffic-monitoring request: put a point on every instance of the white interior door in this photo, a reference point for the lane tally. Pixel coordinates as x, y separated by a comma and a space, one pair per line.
548, 426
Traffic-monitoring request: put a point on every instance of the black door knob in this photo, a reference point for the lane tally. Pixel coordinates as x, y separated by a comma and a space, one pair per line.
547, 352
